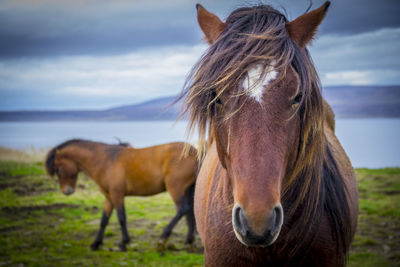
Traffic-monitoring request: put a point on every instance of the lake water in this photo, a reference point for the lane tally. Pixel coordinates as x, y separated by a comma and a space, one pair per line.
372, 143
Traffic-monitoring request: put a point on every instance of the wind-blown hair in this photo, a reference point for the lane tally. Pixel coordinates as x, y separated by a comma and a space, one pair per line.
258, 35
253, 35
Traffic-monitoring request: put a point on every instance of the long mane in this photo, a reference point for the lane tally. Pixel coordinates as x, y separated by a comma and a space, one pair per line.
49, 163
258, 34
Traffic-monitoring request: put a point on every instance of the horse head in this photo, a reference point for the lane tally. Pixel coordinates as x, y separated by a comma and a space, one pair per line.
65, 168
257, 92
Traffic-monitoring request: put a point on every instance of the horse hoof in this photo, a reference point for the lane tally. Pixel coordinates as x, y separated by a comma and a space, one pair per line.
189, 241
172, 247
161, 245
122, 246
95, 246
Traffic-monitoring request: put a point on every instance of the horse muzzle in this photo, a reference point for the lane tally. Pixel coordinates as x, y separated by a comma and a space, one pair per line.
248, 237
68, 190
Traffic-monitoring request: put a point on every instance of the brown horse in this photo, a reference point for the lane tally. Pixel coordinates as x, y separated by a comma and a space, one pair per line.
275, 187
120, 170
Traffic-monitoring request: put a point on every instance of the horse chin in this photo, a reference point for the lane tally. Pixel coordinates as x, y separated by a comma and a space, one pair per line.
256, 242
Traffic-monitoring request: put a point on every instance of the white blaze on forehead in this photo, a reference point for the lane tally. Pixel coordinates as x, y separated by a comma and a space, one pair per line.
252, 83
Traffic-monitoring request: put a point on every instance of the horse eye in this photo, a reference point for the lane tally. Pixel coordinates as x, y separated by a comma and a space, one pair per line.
297, 99
218, 101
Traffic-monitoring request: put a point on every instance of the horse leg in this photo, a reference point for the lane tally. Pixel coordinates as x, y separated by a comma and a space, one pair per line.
190, 219
122, 222
191, 222
107, 210
183, 208
168, 229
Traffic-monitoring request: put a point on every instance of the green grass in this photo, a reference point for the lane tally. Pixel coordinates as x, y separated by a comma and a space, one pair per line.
377, 242
39, 226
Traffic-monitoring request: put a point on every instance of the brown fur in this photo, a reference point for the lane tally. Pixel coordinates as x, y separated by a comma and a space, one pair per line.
277, 151
120, 170
303, 29
209, 23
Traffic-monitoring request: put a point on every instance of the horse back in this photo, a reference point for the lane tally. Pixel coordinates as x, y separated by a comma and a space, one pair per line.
145, 170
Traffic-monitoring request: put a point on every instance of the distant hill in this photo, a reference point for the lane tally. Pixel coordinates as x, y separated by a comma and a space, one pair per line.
346, 101
364, 101
156, 109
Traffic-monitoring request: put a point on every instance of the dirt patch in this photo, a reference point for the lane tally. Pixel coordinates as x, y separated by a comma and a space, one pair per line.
146, 235
22, 188
380, 238
5, 186
29, 209
30, 190
5, 175
25, 189
81, 186
9, 229
92, 209
391, 192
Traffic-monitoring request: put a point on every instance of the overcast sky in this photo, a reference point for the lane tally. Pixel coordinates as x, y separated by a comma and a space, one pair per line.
80, 54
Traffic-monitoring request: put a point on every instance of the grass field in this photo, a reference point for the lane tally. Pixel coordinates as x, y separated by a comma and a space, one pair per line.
39, 226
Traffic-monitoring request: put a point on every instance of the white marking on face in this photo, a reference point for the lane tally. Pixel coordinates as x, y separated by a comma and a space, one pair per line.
254, 85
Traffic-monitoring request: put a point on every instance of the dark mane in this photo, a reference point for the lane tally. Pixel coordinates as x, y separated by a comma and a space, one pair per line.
49, 163
334, 199
331, 200
313, 185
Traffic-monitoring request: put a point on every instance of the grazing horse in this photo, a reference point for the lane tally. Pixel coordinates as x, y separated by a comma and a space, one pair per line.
275, 187
120, 170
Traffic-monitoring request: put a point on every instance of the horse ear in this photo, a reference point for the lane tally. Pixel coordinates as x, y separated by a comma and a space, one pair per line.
303, 29
209, 23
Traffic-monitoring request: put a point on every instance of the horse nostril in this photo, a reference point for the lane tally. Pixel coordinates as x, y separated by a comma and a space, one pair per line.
239, 221
275, 220
279, 215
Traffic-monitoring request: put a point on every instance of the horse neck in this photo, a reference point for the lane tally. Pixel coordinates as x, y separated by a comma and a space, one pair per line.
85, 158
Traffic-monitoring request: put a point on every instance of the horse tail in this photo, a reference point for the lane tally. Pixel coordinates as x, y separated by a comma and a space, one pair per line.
50, 168
192, 151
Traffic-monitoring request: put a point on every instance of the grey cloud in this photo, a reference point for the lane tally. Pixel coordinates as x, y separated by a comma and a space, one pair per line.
42, 28
366, 51
103, 81
89, 29
358, 16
